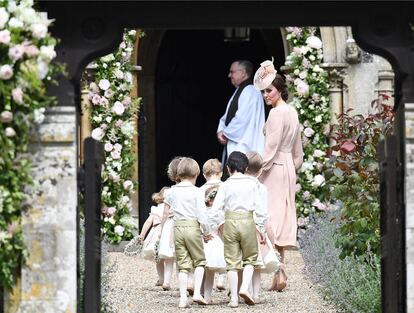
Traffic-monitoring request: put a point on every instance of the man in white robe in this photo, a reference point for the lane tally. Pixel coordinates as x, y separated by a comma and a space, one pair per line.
241, 127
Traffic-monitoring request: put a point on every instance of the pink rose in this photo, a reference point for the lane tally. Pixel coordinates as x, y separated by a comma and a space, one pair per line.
301, 87
127, 101
115, 178
306, 195
111, 211
117, 147
31, 50
116, 154
16, 52
103, 102
109, 93
17, 95
119, 123
301, 221
6, 117
128, 185
104, 126
6, 72
95, 99
118, 108
5, 36
108, 147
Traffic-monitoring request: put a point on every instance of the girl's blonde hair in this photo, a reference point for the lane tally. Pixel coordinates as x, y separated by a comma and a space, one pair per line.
212, 167
158, 197
172, 169
255, 162
187, 168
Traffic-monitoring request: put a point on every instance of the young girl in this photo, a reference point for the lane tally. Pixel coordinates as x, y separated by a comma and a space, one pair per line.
267, 260
166, 245
154, 222
189, 214
214, 251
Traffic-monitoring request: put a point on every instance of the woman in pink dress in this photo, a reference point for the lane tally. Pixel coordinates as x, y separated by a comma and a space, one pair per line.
283, 156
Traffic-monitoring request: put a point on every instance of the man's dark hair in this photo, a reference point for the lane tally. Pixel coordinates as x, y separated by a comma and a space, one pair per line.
237, 161
247, 65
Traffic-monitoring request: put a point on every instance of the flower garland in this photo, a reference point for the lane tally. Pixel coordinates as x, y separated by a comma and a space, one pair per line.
26, 50
112, 114
309, 87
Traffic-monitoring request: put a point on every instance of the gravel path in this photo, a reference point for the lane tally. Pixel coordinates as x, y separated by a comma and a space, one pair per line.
133, 288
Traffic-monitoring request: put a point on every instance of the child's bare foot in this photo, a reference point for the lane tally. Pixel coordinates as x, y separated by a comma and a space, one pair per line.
233, 304
166, 287
158, 283
183, 304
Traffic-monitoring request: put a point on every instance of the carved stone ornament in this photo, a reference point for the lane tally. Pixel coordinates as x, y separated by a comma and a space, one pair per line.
352, 52
336, 74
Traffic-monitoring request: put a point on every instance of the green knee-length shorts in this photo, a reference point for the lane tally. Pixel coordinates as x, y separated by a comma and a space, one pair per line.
189, 249
239, 238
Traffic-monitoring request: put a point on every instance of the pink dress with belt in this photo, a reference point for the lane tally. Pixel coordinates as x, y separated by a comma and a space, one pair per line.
283, 156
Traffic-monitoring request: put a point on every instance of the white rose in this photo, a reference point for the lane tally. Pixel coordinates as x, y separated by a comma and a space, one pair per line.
10, 132
4, 17
127, 129
11, 6
39, 30
303, 74
128, 77
6, 71
39, 116
132, 32
42, 69
28, 15
97, 133
119, 230
318, 180
108, 119
111, 220
308, 132
314, 42
111, 210
296, 72
119, 74
104, 84
317, 68
318, 118
118, 108
312, 58
48, 52
5, 36
15, 23
304, 49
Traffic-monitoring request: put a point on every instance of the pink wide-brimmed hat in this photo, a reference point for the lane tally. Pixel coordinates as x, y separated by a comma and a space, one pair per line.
264, 75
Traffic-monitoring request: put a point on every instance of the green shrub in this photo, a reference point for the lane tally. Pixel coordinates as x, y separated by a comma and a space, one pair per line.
352, 283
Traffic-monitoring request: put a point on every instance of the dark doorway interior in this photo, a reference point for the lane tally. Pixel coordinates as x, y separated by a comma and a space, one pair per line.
192, 90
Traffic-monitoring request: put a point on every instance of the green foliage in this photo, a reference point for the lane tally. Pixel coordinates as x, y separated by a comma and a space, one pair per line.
26, 73
352, 283
353, 176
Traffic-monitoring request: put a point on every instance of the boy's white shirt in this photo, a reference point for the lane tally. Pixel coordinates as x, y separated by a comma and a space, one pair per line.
239, 193
263, 206
187, 203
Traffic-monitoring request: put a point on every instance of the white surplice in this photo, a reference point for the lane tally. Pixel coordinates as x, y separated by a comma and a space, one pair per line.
245, 130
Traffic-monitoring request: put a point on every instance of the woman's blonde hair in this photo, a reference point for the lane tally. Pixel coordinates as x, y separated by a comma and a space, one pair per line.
158, 197
187, 168
172, 169
255, 162
212, 167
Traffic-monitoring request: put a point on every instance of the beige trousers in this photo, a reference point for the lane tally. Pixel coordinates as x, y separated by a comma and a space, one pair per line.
239, 238
189, 249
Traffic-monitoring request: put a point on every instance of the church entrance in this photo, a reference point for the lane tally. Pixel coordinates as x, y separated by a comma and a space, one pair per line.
191, 91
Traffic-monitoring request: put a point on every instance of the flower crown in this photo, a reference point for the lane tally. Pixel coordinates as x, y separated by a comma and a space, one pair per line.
264, 75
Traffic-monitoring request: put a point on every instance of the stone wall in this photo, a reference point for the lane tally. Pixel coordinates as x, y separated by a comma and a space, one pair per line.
49, 278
